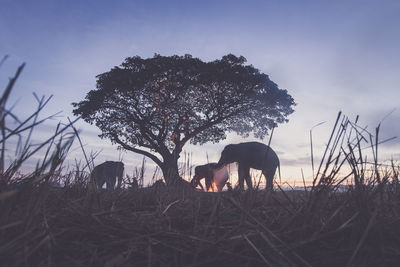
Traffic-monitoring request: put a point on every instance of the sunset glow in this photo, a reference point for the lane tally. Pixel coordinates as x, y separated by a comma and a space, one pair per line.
213, 188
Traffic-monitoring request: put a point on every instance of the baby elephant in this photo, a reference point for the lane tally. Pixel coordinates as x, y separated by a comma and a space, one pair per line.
210, 174
108, 172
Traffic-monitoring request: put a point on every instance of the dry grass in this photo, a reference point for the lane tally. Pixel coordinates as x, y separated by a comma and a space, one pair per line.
326, 225
44, 226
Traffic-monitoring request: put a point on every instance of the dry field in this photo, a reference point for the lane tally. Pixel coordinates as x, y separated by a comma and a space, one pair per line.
71, 226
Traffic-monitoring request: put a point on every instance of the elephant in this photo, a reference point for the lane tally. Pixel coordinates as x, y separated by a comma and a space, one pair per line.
251, 155
108, 172
211, 174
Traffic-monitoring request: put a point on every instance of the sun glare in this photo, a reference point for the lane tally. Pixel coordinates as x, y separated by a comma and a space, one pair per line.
213, 188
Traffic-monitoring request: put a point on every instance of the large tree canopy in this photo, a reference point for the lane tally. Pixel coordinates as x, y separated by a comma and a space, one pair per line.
155, 106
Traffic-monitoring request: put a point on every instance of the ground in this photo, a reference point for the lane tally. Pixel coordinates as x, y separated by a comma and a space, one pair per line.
73, 226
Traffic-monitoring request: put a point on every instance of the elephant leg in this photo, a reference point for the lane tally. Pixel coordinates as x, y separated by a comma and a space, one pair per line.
99, 182
241, 175
249, 182
119, 184
269, 176
199, 184
208, 181
219, 187
110, 183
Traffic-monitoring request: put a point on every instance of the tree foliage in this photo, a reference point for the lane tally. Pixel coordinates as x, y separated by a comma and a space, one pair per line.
161, 103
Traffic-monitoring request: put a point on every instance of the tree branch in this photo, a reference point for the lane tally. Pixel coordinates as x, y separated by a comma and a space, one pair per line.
141, 123
139, 151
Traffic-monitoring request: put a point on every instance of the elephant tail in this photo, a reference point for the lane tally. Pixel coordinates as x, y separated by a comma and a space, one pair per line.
279, 172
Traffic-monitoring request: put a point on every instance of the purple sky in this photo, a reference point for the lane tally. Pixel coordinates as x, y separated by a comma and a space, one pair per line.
329, 55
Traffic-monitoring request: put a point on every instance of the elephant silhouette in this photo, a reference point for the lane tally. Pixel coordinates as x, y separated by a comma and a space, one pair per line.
218, 176
251, 155
108, 172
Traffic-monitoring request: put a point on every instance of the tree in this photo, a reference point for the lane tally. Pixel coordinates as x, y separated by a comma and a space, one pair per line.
155, 106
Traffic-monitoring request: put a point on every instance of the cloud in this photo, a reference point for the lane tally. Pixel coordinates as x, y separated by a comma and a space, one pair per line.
298, 162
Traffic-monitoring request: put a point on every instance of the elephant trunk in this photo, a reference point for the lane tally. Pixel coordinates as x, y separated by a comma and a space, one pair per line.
195, 181
221, 163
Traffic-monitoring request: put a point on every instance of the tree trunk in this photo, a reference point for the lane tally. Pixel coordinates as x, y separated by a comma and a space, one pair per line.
171, 173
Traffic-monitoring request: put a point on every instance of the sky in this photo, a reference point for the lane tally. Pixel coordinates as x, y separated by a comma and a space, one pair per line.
331, 56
